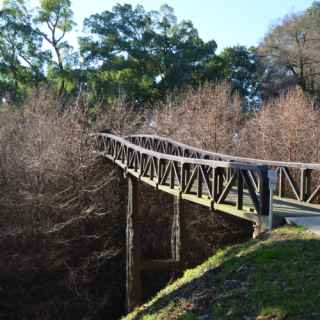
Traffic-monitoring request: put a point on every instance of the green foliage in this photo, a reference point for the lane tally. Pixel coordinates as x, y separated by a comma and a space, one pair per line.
188, 316
147, 55
21, 56
57, 14
242, 67
149, 52
57, 17
290, 53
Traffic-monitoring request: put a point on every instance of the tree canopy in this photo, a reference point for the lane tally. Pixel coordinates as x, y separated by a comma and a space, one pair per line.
290, 52
145, 55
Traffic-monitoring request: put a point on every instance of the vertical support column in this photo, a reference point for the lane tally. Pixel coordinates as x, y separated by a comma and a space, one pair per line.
264, 201
178, 233
133, 277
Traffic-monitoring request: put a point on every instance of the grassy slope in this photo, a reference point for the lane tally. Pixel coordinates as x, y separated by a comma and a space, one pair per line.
276, 276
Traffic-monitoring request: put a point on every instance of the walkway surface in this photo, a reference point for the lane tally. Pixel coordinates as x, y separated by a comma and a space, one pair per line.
310, 223
286, 208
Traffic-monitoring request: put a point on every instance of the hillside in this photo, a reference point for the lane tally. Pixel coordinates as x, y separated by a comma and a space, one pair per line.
273, 277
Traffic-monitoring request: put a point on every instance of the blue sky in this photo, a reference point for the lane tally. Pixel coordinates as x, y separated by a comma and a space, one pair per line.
229, 22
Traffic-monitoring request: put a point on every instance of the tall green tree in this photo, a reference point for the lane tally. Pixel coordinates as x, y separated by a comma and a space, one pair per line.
291, 52
21, 55
181, 53
243, 68
117, 56
146, 54
55, 19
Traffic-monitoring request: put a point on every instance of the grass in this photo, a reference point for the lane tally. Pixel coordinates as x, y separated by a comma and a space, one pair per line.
273, 277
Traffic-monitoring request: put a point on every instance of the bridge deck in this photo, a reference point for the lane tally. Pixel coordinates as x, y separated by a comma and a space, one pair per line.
283, 208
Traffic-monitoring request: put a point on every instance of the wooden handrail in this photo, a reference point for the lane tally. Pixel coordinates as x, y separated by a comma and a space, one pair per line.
225, 157
294, 177
198, 179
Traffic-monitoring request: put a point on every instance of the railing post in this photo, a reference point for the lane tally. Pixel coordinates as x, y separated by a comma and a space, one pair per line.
183, 176
133, 276
199, 182
240, 190
186, 173
264, 191
281, 183
215, 192
160, 171
305, 182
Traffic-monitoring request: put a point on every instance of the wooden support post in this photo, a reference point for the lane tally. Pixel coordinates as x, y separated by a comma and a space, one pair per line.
217, 183
200, 182
305, 183
221, 179
133, 279
240, 190
281, 185
214, 184
176, 231
186, 174
264, 191
178, 235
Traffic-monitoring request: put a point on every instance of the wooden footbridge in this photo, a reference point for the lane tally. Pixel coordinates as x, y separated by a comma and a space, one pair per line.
232, 185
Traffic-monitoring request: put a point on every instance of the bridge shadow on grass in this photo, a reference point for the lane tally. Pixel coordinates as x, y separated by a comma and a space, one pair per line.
274, 277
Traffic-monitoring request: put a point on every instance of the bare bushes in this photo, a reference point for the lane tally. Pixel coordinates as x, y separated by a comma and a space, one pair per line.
208, 117
121, 117
285, 129
43, 163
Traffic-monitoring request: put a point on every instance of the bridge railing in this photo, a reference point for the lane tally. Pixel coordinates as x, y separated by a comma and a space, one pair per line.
296, 180
190, 174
